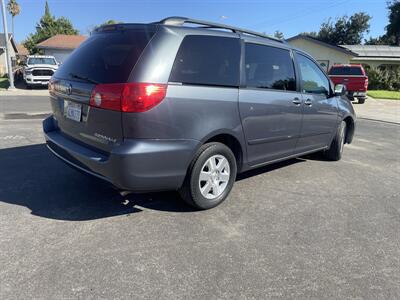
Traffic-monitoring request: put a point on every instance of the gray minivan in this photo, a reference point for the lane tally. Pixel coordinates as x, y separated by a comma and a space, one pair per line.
185, 105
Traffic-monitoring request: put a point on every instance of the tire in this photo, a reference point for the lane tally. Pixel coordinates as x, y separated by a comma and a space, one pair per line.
210, 177
361, 100
335, 151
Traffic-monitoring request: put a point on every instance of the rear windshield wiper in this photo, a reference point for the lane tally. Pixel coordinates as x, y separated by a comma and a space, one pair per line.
77, 76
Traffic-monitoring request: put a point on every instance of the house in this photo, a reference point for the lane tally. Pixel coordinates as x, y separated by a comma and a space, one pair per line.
375, 56
372, 56
22, 52
61, 45
325, 54
3, 58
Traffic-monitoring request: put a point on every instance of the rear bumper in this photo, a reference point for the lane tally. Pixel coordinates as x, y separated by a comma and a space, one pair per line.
358, 94
140, 165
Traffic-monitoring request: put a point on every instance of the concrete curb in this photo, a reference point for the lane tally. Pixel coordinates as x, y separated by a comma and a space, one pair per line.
19, 92
24, 116
376, 120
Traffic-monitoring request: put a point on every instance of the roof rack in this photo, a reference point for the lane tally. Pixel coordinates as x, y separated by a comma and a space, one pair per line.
180, 21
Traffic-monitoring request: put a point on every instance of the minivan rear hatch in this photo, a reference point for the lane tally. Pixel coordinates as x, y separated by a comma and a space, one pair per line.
106, 57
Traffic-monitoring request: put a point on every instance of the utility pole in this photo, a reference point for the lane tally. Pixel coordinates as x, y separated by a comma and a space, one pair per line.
9, 67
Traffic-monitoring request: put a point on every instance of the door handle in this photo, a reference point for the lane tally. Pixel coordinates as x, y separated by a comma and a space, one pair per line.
308, 102
296, 101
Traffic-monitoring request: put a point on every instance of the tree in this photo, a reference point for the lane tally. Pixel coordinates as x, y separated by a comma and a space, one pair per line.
279, 35
110, 22
393, 28
47, 27
380, 40
392, 35
346, 30
14, 9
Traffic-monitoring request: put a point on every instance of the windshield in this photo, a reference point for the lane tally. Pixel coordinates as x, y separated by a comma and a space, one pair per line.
345, 71
41, 61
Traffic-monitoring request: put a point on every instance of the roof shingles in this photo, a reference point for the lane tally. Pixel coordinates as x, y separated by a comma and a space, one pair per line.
375, 50
62, 41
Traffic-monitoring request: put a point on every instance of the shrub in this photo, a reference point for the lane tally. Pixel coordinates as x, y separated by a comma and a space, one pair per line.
384, 78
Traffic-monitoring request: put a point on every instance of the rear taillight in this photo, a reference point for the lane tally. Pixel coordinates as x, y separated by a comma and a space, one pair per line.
139, 97
107, 96
128, 97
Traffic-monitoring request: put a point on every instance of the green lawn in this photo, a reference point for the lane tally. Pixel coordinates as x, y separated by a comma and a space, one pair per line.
3, 83
394, 95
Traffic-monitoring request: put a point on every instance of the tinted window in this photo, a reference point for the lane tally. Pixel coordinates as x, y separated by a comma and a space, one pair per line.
207, 60
269, 67
345, 71
107, 57
313, 80
41, 61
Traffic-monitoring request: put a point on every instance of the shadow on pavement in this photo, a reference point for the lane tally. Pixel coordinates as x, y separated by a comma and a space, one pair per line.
268, 168
32, 177
20, 85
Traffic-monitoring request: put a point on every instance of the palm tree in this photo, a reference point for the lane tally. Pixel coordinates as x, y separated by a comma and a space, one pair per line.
14, 9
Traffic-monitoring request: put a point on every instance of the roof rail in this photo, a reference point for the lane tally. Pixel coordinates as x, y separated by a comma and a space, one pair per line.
180, 21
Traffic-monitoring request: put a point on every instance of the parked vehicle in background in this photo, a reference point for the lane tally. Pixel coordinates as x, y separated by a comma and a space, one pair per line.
39, 69
353, 77
163, 106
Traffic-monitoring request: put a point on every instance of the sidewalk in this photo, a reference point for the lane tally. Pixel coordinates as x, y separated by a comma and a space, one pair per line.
379, 110
24, 92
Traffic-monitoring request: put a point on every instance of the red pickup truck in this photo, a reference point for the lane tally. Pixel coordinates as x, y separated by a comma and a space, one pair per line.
353, 77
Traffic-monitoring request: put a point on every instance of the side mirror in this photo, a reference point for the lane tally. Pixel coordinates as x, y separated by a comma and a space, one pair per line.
340, 90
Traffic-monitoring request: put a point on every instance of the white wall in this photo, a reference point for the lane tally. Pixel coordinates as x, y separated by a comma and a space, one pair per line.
324, 55
3, 63
59, 54
3, 60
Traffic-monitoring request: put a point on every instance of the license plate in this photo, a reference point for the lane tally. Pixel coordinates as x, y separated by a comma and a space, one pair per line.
74, 111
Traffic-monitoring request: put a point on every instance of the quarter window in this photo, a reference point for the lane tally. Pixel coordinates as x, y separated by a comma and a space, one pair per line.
269, 67
313, 80
207, 60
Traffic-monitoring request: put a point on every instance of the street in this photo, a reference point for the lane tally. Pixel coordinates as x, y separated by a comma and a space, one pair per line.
305, 228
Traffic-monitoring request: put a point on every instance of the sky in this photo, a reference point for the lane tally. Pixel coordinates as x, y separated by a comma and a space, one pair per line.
288, 16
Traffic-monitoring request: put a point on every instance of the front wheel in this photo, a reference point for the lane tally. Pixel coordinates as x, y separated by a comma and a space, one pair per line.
211, 176
361, 100
335, 151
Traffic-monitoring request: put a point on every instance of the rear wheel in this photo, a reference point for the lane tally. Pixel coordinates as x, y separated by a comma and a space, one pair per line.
211, 176
336, 149
361, 100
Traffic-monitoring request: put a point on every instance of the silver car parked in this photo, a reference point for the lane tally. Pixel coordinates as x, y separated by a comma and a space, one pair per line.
165, 106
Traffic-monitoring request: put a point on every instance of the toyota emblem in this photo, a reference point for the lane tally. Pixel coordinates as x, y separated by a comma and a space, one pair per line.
69, 89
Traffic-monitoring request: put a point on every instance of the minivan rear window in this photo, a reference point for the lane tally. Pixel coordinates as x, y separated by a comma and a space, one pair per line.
207, 60
345, 71
107, 56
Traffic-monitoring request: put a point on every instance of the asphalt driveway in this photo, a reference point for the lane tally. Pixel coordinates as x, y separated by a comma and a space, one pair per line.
306, 228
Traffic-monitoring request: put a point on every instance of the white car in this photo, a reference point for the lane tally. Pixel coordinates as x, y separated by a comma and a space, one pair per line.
39, 69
